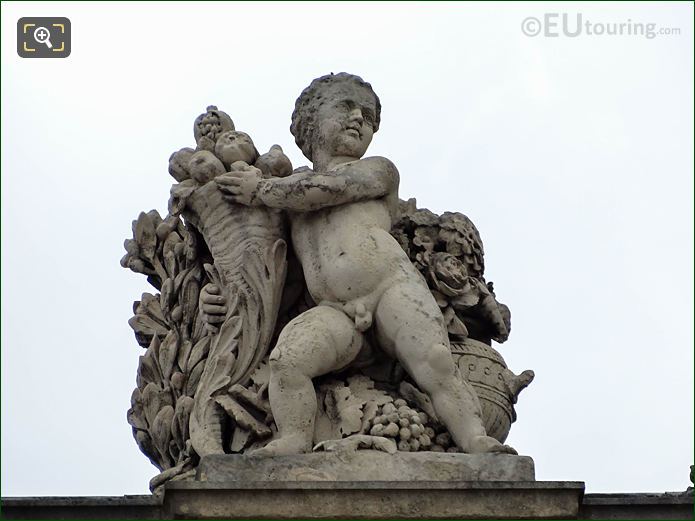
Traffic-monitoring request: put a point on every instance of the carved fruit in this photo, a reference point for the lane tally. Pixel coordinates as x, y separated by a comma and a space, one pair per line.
235, 146
274, 163
204, 166
211, 124
178, 164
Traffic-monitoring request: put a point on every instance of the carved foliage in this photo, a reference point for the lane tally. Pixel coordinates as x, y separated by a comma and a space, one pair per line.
168, 326
195, 382
449, 253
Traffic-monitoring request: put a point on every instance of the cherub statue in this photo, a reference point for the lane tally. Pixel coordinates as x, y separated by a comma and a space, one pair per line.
229, 291
341, 212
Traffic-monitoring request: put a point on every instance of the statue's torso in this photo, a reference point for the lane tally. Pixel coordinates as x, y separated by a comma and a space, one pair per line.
347, 251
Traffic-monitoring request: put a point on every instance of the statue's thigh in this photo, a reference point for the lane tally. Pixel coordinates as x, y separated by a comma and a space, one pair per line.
320, 340
408, 320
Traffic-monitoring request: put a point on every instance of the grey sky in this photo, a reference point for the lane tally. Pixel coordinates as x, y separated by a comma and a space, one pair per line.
573, 156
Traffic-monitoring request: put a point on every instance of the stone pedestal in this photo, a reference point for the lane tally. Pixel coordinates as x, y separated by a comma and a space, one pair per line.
373, 500
367, 466
371, 485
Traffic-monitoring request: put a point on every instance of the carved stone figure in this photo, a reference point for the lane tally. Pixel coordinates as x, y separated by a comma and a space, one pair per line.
311, 308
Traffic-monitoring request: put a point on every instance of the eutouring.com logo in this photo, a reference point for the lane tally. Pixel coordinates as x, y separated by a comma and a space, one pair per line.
554, 25
43, 37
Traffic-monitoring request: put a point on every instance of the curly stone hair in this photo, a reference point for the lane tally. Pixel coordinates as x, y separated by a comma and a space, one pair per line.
309, 101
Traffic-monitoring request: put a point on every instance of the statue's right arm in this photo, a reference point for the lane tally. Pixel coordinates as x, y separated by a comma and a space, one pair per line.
304, 191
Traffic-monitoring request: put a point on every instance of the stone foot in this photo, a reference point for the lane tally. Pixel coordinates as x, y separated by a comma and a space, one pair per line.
482, 444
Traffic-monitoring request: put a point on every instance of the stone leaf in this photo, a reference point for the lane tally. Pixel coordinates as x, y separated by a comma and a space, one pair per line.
368, 414
136, 416
188, 298
206, 428
148, 368
145, 236
342, 408
348, 409
193, 379
248, 397
362, 388
142, 438
240, 438
242, 417
167, 355
150, 306
154, 398
198, 353
184, 354
155, 217
169, 253
179, 423
145, 329
167, 296
179, 195
206, 418
221, 357
161, 433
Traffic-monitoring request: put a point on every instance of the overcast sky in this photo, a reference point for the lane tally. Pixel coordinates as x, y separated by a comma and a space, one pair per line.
572, 155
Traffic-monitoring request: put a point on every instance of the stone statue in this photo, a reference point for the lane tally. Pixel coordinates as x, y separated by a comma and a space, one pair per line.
311, 308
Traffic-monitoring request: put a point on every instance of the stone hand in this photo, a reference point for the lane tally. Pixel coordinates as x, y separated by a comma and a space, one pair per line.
213, 307
240, 184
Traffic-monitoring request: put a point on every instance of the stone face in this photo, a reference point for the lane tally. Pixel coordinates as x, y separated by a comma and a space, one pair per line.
367, 466
311, 309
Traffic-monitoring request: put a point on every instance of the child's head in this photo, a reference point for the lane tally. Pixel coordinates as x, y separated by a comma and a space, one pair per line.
235, 146
334, 97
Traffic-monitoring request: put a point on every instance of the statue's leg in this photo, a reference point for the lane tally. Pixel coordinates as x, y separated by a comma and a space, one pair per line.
409, 325
315, 343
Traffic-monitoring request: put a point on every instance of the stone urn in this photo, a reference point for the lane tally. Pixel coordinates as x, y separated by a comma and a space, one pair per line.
497, 387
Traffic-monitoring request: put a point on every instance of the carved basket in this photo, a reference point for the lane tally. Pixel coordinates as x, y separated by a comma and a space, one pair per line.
497, 387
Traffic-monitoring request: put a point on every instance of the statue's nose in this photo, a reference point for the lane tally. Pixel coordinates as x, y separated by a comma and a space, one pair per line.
356, 115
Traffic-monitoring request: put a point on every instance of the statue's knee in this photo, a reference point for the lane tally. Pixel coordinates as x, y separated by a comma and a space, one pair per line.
440, 361
292, 355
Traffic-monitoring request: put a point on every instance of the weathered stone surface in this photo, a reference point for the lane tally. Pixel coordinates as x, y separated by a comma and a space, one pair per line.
367, 465
530, 497
373, 500
311, 308
669, 505
78, 507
